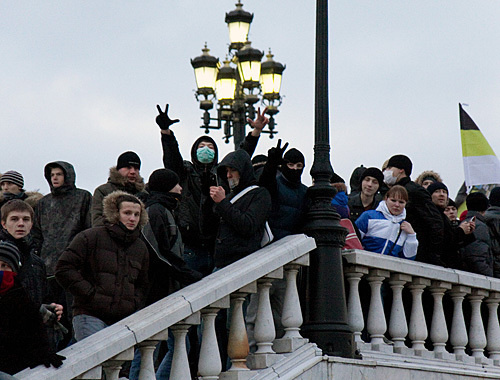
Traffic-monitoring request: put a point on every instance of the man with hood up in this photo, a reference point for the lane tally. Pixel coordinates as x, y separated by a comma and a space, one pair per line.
125, 176
59, 217
197, 222
242, 221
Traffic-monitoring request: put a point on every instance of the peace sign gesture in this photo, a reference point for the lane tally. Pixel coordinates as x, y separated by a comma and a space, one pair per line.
275, 155
163, 120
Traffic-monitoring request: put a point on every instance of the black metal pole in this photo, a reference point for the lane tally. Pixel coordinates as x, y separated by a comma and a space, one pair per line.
325, 308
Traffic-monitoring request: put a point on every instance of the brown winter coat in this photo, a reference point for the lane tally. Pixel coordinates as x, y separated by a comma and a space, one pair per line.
105, 268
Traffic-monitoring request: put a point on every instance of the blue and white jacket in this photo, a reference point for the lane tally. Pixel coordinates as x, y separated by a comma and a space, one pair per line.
379, 230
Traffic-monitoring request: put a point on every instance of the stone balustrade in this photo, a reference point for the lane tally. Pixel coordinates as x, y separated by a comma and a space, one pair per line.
415, 311
107, 350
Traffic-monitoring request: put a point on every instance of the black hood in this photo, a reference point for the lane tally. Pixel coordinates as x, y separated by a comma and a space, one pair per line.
194, 148
69, 176
239, 160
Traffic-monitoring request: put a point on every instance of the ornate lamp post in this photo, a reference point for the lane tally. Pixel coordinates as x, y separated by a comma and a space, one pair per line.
239, 83
325, 308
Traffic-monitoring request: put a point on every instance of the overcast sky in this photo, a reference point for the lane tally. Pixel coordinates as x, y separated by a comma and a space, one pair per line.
80, 80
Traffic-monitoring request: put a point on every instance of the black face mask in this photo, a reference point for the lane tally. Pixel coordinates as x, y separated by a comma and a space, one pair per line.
293, 175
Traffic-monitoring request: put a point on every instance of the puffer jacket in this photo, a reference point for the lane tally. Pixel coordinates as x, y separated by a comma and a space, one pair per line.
115, 182
477, 256
242, 223
59, 216
106, 268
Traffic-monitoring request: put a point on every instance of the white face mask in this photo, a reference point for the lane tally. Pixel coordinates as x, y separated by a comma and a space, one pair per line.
389, 178
233, 182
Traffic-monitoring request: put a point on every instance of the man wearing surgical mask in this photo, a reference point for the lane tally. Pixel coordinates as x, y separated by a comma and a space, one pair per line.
421, 212
197, 221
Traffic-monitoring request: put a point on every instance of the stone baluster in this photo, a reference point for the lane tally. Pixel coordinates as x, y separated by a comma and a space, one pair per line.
92, 374
398, 328
237, 348
439, 330
477, 335
493, 334
264, 323
147, 348
354, 273
418, 327
113, 366
180, 364
376, 324
458, 338
209, 364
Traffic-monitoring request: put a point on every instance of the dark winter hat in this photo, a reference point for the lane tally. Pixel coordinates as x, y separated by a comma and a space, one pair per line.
14, 177
451, 203
476, 202
294, 155
495, 196
436, 186
400, 161
373, 172
336, 179
259, 159
9, 253
128, 159
163, 180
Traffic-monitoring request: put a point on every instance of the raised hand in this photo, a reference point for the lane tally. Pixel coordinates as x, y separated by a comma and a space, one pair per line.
260, 121
275, 155
163, 121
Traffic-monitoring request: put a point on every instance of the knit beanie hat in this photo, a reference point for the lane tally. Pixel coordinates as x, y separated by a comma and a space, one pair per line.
163, 180
259, 160
14, 177
9, 253
400, 161
495, 196
128, 159
451, 203
294, 155
375, 173
436, 186
476, 202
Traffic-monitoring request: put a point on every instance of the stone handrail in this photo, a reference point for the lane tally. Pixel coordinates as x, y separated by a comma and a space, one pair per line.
435, 313
109, 348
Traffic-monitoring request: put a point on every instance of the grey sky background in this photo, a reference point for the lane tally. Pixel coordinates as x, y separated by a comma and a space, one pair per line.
80, 80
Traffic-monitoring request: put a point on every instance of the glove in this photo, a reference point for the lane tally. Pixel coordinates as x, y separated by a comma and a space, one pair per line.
275, 155
54, 359
163, 121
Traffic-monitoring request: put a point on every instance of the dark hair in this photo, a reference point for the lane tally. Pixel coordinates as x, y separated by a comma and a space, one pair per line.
126, 198
15, 205
397, 192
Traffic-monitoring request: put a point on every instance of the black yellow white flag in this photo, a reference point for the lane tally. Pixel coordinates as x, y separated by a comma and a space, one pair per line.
481, 165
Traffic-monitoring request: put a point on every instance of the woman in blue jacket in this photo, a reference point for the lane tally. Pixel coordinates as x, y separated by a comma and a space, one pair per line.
385, 230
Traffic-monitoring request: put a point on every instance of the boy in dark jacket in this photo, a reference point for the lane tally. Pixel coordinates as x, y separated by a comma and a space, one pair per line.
23, 339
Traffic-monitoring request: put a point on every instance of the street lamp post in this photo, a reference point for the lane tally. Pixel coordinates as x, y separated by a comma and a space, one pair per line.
325, 309
239, 83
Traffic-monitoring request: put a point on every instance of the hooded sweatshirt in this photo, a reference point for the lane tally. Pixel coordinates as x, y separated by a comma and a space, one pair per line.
380, 233
60, 215
242, 222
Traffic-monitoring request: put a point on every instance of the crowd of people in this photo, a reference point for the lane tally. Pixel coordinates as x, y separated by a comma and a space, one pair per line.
76, 263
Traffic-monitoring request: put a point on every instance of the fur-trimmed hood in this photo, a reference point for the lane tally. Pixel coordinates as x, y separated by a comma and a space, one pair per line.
30, 197
428, 173
110, 209
116, 178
